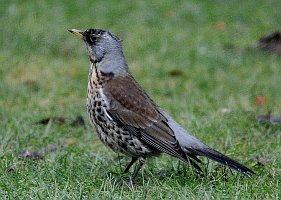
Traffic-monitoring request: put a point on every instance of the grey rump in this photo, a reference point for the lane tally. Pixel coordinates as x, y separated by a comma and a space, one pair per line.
125, 117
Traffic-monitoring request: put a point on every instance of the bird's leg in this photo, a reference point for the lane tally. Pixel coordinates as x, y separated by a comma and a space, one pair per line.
139, 166
134, 159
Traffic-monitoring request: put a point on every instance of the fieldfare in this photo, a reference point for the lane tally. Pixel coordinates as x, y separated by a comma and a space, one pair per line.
126, 119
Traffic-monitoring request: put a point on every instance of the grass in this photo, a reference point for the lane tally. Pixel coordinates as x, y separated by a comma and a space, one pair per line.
208, 44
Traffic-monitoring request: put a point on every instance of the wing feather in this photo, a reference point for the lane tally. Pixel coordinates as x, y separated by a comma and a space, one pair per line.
132, 108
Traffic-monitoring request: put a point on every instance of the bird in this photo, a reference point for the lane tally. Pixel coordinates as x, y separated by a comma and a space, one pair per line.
127, 120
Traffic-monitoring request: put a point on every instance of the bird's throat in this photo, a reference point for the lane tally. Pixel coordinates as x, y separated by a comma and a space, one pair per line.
98, 78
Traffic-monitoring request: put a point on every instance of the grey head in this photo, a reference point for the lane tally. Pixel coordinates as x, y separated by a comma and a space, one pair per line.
105, 49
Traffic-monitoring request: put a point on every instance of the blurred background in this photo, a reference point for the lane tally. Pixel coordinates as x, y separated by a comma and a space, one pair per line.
202, 61
206, 46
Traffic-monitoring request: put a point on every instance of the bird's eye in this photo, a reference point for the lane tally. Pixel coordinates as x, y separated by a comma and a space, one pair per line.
99, 33
93, 38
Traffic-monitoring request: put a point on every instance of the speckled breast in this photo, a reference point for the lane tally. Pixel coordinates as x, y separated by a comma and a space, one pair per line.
117, 138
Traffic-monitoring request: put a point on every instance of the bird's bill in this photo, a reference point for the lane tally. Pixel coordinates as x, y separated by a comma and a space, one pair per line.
78, 33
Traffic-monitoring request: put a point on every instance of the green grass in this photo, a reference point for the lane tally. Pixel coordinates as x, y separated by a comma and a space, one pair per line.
43, 73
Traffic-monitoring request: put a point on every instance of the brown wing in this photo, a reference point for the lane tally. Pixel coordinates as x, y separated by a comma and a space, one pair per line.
133, 109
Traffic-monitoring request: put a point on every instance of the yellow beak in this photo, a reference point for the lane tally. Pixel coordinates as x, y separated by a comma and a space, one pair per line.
77, 33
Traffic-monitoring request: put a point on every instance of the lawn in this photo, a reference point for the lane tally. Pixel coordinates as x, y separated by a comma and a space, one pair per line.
196, 59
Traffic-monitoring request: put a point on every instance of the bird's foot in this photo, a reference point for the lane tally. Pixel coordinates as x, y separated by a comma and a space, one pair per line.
128, 182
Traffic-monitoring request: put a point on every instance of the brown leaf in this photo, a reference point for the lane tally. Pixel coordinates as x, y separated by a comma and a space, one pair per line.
32, 84
221, 26
260, 100
56, 120
176, 73
78, 121
170, 13
70, 141
73, 72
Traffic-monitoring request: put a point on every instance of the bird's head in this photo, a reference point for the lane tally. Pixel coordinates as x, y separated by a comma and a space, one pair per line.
103, 47
99, 42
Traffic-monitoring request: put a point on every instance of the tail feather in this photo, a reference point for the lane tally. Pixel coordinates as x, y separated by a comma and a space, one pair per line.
220, 158
194, 147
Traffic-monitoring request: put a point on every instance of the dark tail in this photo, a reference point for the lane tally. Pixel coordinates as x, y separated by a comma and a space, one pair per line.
219, 157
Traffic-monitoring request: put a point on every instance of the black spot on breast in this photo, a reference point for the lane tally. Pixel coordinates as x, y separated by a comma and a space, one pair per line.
98, 109
99, 118
125, 133
103, 130
110, 145
138, 148
122, 145
119, 137
111, 133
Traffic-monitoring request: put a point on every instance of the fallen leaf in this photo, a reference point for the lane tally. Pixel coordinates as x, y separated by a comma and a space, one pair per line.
271, 43
221, 26
70, 141
32, 84
73, 72
269, 119
38, 154
170, 13
260, 100
56, 120
176, 73
261, 160
78, 121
